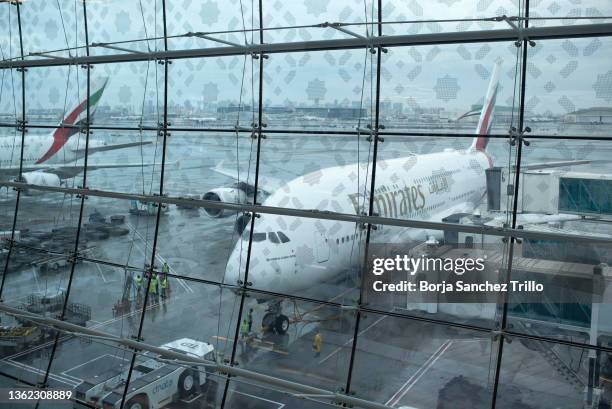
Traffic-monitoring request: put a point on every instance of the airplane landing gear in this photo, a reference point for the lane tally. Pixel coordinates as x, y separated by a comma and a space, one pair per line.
274, 319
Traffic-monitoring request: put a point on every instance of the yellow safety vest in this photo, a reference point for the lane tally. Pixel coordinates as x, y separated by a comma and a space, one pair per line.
153, 286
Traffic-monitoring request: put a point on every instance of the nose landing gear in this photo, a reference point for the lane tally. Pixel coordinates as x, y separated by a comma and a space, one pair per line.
274, 319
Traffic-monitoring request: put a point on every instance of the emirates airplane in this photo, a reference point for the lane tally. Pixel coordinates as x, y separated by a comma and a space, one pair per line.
49, 159
289, 255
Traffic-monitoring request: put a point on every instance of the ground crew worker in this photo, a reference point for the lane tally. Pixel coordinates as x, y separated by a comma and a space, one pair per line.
316, 344
244, 334
138, 283
250, 319
165, 268
163, 285
153, 286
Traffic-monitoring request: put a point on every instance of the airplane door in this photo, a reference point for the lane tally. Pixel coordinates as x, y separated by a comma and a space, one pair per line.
321, 248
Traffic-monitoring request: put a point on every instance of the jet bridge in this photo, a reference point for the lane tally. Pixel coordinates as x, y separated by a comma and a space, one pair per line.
550, 192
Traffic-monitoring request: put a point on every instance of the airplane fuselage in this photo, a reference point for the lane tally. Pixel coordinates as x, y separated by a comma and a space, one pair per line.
422, 187
35, 148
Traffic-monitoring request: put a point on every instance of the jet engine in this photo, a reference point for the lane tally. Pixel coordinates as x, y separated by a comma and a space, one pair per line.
40, 179
224, 194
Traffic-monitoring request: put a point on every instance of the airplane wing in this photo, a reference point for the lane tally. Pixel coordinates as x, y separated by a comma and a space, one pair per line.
66, 171
266, 184
81, 152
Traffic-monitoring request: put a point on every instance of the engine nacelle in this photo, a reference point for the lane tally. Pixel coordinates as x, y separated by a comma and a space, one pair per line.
224, 194
40, 179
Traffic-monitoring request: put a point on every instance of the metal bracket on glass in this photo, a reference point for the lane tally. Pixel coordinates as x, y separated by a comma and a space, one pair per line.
515, 136
72, 258
338, 26
83, 126
518, 29
371, 132
255, 129
21, 125
163, 205
45, 55
87, 66
495, 335
79, 196
214, 39
114, 47
256, 56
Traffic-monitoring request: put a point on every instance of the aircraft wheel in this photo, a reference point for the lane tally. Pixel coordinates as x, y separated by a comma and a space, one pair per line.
186, 383
282, 324
138, 402
268, 322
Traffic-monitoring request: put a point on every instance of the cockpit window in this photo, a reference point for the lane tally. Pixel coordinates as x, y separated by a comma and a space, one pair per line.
282, 237
259, 237
273, 237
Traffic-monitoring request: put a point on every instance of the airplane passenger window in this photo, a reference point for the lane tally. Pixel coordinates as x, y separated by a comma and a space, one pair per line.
273, 237
259, 237
282, 237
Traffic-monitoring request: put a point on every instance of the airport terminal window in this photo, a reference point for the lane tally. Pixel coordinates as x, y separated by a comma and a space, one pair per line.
470, 129
283, 238
259, 237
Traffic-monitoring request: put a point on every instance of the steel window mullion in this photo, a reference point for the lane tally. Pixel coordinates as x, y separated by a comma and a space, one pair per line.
519, 141
379, 51
259, 129
164, 130
23, 132
88, 67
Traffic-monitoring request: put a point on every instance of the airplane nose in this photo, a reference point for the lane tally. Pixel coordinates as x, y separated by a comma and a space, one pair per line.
234, 270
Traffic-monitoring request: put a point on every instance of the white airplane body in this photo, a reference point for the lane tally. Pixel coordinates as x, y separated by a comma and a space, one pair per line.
49, 159
289, 255
435, 186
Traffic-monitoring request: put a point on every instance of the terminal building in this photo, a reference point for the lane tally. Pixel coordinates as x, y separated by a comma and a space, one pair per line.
273, 205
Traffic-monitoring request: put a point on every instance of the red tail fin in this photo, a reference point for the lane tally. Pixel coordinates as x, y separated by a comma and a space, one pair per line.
486, 114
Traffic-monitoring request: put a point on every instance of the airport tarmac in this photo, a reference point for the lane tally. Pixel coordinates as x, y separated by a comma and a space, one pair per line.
397, 362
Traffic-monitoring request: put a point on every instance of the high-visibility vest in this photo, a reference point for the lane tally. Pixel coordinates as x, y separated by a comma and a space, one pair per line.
165, 268
153, 285
316, 344
244, 328
164, 283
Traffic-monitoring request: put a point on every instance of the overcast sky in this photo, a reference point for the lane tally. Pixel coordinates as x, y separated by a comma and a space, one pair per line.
562, 75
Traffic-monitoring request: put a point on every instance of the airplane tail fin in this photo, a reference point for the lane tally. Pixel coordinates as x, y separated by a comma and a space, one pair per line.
486, 113
62, 134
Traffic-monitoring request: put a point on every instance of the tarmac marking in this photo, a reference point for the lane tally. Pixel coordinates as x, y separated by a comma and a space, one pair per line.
101, 273
88, 362
280, 405
35, 278
401, 392
335, 351
38, 371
